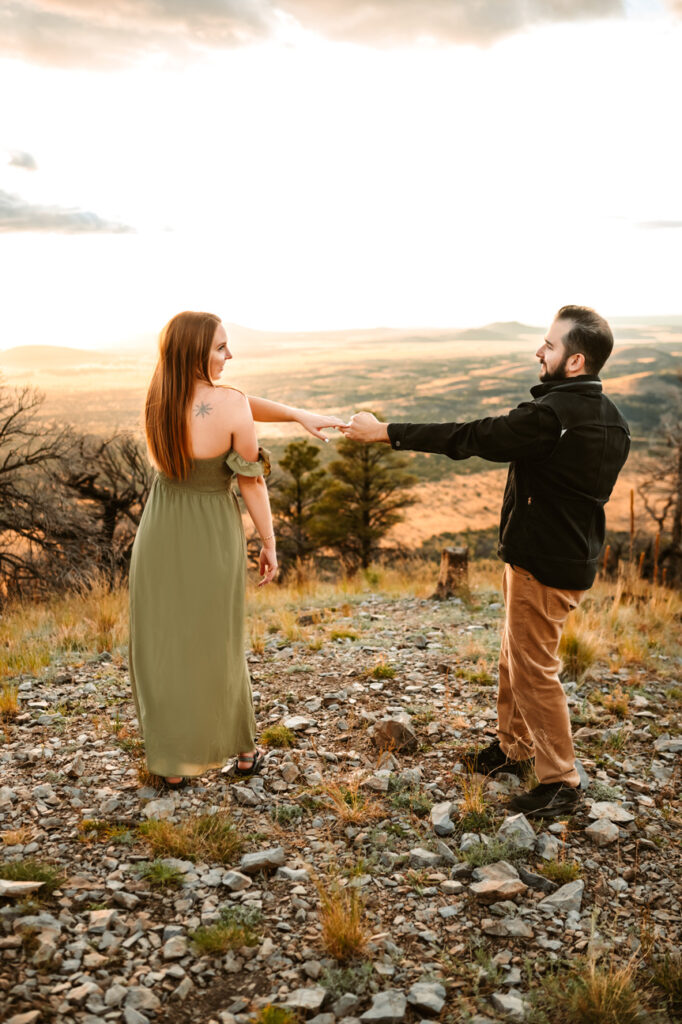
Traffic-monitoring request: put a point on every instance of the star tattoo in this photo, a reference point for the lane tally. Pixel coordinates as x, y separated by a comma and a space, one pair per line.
202, 409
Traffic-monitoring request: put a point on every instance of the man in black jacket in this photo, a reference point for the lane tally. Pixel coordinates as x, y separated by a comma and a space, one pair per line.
565, 449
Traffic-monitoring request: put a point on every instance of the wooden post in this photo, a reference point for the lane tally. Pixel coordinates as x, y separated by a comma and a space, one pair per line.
453, 580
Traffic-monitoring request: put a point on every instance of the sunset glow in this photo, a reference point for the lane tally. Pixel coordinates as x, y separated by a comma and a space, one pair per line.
301, 182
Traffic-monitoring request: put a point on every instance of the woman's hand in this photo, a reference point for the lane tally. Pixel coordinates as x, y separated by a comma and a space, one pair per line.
314, 423
267, 564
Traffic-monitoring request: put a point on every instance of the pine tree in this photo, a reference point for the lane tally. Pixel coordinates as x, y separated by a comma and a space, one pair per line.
294, 498
363, 501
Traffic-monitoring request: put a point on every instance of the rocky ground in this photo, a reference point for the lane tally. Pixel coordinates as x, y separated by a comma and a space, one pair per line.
463, 917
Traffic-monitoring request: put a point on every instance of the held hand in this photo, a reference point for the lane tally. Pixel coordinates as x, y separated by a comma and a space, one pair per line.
267, 564
363, 426
314, 423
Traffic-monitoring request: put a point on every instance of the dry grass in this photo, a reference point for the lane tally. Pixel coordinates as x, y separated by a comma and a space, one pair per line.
630, 623
473, 795
93, 621
618, 702
9, 702
578, 650
344, 933
590, 994
16, 836
351, 805
257, 635
210, 837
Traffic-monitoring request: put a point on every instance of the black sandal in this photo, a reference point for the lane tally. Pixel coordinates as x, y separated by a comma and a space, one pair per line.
256, 760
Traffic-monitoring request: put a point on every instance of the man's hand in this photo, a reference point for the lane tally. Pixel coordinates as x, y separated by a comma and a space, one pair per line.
363, 426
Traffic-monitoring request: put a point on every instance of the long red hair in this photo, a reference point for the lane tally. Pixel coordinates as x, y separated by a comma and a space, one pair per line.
184, 356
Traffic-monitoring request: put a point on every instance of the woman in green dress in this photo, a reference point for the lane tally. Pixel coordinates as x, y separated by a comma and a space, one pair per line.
188, 571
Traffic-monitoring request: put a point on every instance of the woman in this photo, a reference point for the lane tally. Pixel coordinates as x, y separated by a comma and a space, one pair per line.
187, 576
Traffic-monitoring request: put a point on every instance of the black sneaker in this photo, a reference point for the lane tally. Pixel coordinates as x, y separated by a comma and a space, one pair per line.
492, 760
548, 800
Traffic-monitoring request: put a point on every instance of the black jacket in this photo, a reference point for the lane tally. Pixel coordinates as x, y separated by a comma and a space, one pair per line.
566, 449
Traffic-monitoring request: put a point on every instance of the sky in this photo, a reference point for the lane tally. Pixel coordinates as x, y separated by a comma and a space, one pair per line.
325, 164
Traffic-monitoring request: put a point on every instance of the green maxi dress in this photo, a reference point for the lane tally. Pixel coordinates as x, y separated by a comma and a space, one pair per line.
188, 668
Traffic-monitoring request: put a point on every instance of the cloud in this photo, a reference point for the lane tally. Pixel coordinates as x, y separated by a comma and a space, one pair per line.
24, 160
78, 33
17, 214
657, 225
394, 22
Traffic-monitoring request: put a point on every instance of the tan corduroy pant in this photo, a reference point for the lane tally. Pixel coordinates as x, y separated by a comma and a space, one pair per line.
532, 712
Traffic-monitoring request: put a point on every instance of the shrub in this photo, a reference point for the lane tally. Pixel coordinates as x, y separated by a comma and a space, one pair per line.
561, 871
578, 653
160, 875
344, 932
278, 736
31, 871
209, 837
236, 927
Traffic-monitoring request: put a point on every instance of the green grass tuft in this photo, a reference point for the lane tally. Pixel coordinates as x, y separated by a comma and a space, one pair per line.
238, 926
32, 871
278, 736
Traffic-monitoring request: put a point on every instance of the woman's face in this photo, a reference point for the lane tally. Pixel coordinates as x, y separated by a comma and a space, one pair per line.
219, 353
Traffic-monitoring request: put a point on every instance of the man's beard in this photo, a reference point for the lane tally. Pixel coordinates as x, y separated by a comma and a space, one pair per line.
558, 374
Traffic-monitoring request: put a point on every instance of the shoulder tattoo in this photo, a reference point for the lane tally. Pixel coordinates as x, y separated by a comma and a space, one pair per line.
202, 409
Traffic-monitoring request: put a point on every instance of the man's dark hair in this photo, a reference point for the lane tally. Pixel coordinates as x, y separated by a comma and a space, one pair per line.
590, 334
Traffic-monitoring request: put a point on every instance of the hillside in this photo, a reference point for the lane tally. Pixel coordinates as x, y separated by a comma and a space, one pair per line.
404, 837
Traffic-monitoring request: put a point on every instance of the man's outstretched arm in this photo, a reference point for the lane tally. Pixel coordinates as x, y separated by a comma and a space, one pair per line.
529, 431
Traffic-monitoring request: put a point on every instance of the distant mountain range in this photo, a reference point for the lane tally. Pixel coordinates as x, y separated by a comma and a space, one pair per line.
48, 358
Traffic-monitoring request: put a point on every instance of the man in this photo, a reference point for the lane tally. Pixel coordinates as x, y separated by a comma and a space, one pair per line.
565, 449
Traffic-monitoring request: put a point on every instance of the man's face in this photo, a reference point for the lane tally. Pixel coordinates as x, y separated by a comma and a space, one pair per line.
552, 353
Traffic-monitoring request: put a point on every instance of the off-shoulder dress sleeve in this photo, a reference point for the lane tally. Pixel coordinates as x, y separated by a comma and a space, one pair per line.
244, 467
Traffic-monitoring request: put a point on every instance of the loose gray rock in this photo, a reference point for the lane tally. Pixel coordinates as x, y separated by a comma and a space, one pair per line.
235, 881
547, 846
511, 1006
348, 1001
610, 811
568, 897
141, 998
159, 809
293, 874
395, 733
388, 1007
262, 861
519, 831
290, 772
306, 998
496, 881
427, 996
10, 888
297, 723
668, 744
508, 927
175, 948
584, 777
440, 818
421, 858
602, 832
245, 795
536, 881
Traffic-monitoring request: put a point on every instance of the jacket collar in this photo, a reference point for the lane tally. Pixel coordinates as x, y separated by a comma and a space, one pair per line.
586, 384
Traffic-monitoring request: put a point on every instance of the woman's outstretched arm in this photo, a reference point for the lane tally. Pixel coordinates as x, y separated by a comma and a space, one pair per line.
265, 411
